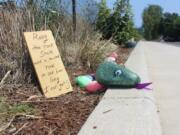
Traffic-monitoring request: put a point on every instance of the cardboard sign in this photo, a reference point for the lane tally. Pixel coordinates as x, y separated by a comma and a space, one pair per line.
47, 62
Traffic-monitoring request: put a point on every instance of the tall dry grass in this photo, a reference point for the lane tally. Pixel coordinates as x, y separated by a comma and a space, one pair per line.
86, 52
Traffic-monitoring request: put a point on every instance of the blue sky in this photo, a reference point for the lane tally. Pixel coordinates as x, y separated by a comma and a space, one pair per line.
139, 5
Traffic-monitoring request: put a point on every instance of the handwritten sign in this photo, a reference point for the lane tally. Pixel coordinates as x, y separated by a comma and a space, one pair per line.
47, 62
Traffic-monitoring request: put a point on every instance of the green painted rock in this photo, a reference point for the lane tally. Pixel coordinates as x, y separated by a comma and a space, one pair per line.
83, 81
112, 74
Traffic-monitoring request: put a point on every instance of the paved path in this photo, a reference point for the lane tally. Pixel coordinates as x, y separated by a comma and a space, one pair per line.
133, 112
164, 67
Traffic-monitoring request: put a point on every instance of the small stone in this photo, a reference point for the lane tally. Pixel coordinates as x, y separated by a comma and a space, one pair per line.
114, 55
110, 59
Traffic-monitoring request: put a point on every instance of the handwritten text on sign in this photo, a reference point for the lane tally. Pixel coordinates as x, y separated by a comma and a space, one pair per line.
49, 68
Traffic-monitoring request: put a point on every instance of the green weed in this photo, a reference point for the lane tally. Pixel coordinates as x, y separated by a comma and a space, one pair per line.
7, 110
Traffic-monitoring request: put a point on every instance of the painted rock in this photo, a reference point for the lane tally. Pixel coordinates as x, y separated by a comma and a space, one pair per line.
114, 55
94, 76
109, 59
90, 77
83, 81
94, 86
112, 74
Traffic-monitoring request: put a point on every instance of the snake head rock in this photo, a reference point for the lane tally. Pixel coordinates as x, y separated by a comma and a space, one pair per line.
111, 74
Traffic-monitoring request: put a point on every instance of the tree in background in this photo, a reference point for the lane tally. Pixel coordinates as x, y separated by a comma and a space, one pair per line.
119, 24
157, 24
102, 16
151, 19
170, 26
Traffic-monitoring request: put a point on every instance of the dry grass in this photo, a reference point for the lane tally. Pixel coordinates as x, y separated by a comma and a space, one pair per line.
87, 51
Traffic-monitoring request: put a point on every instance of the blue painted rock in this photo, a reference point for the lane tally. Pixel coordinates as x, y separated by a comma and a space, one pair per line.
90, 77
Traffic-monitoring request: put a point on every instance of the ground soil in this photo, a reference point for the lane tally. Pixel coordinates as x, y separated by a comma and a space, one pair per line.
63, 115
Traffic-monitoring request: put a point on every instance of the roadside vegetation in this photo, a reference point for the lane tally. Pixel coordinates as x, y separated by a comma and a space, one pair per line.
8, 112
117, 24
34, 16
160, 25
86, 51
97, 35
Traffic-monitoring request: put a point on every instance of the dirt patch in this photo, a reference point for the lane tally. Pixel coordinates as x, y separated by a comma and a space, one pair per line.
63, 115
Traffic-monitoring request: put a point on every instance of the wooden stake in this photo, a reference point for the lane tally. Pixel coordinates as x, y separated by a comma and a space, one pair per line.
74, 17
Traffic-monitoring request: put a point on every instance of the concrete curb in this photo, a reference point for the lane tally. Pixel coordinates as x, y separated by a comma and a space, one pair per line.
126, 111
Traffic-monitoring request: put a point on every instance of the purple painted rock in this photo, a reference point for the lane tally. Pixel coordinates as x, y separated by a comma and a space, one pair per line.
94, 86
